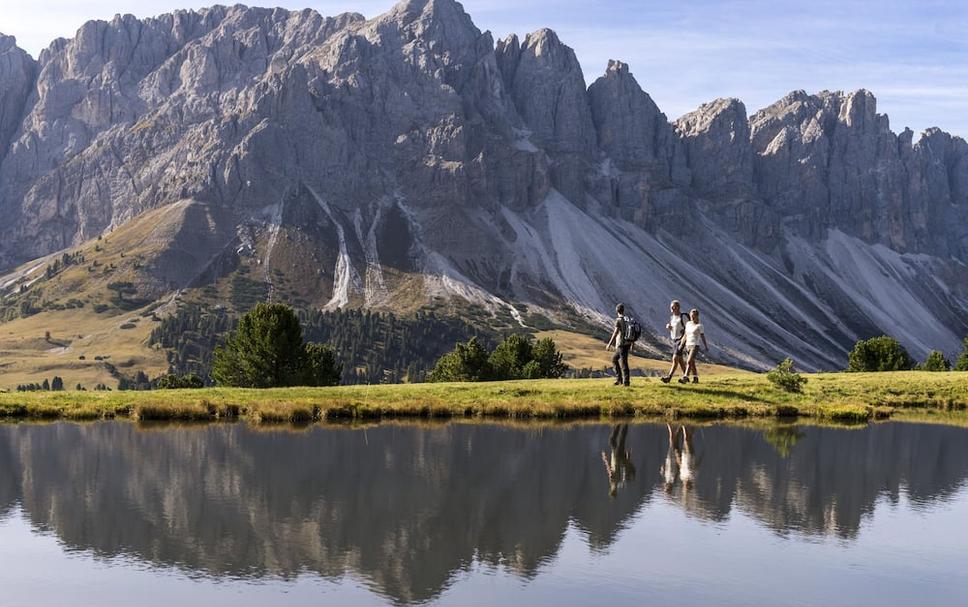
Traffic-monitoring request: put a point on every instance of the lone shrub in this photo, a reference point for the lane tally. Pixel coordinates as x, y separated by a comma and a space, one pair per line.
936, 361
171, 381
962, 363
879, 354
785, 378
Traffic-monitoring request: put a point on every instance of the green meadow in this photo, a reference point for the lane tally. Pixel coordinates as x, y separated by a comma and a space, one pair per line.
826, 396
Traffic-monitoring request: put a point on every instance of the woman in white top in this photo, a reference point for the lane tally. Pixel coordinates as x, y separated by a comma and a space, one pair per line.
694, 334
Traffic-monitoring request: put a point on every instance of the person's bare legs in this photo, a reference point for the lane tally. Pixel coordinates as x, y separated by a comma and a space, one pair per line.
691, 368
677, 363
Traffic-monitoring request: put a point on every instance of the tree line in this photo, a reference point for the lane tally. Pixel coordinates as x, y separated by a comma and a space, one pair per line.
519, 356
374, 347
885, 353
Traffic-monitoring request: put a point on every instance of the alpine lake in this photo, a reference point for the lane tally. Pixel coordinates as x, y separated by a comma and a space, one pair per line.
473, 513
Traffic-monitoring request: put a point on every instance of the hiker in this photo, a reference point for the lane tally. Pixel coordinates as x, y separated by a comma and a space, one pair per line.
693, 335
676, 328
618, 464
688, 463
670, 469
625, 333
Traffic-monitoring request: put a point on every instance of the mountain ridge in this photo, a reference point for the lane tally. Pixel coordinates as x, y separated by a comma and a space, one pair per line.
391, 162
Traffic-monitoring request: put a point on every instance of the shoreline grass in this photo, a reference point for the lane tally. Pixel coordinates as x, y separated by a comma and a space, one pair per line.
838, 397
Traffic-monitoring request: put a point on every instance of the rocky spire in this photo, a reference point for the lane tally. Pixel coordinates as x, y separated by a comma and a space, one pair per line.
717, 139
631, 129
17, 73
548, 88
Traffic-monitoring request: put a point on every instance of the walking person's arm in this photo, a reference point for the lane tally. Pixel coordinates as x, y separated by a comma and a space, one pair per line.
612, 338
705, 344
616, 332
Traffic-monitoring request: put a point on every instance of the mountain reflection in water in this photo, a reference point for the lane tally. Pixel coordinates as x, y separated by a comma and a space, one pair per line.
409, 507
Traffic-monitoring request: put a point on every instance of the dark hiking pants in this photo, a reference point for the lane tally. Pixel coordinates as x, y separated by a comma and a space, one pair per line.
621, 363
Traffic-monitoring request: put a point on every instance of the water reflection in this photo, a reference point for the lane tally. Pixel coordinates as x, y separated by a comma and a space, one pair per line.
618, 463
410, 507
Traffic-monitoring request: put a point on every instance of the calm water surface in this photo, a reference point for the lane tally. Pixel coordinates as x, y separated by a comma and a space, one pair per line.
464, 514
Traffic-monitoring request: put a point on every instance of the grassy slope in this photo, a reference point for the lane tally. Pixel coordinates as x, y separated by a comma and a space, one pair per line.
27, 356
584, 352
827, 396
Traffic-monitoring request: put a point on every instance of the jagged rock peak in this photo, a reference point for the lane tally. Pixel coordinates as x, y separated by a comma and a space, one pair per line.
7, 43
544, 41
717, 139
726, 112
434, 18
616, 68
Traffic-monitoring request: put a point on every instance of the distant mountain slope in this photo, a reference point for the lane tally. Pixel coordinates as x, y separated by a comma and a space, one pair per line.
406, 159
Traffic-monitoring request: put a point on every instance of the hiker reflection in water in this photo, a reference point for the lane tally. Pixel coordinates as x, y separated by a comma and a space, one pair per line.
681, 463
688, 463
670, 469
618, 465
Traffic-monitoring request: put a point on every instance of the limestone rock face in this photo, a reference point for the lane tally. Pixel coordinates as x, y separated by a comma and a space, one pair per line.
17, 73
717, 140
831, 161
412, 158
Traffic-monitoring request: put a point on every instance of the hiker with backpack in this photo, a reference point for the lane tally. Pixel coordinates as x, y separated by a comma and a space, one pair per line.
677, 329
627, 331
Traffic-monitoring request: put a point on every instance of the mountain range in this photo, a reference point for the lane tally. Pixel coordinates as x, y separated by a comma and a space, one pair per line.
410, 160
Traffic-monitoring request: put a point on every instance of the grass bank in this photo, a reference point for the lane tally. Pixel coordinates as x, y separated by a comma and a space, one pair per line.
832, 396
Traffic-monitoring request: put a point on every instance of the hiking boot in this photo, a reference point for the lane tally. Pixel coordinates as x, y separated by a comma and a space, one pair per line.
683, 380
627, 384
695, 379
617, 382
665, 379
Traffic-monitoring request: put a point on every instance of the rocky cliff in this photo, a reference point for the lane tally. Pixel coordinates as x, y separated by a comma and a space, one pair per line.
408, 158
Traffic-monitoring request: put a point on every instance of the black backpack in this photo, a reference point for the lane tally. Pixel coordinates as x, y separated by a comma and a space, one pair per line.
683, 318
633, 330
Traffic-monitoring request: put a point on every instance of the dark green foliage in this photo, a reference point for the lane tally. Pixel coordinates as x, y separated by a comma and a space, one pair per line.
547, 360
374, 347
190, 337
140, 381
247, 293
322, 366
879, 354
385, 348
785, 378
936, 361
511, 355
45, 385
517, 357
266, 351
189, 381
962, 363
57, 384
467, 362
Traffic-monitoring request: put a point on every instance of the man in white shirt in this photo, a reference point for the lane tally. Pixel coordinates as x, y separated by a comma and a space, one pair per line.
676, 328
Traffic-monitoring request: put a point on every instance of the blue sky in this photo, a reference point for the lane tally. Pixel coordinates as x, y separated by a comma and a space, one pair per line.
913, 55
